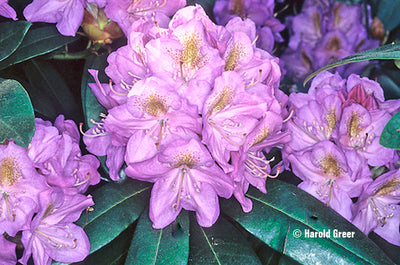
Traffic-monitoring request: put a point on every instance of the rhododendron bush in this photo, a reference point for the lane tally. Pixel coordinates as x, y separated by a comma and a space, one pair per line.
199, 132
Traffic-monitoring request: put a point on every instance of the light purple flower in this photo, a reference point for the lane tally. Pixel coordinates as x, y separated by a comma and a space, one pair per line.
56, 155
131, 15
250, 164
68, 14
359, 131
187, 177
186, 58
229, 115
7, 252
377, 208
20, 186
259, 11
6, 10
52, 234
330, 175
322, 33
153, 116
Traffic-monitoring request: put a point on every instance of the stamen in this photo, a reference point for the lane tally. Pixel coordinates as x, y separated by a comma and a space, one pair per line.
176, 205
158, 143
254, 41
58, 244
381, 220
115, 92
12, 216
307, 133
82, 182
139, 10
290, 115
158, 27
226, 137
258, 80
98, 130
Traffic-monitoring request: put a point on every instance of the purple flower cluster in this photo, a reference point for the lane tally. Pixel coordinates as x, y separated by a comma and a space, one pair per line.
191, 108
261, 12
130, 15
322, 33
42, 195
335, 141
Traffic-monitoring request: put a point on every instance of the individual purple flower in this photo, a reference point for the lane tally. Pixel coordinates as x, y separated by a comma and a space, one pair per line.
241, 55
377, 208
56, 155
316, 114
330, 175
7, 252
6, 10
229, 115
20, 185
250, 164
359, 131
131, 15
369, 94
187, 177
153, 116
185, 57
52, 234
98, 142
322, 33
259, 11
67, 14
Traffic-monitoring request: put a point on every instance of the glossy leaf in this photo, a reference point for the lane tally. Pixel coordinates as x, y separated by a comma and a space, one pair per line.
388, 14
37, 42
390, 136
11, 36
17, 120
220, 244
117, 205
281, 218
386, 52
169, 245
50, 94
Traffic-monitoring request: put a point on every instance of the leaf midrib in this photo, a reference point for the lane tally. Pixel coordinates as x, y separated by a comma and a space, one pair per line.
114, 205
306, 224
212, 249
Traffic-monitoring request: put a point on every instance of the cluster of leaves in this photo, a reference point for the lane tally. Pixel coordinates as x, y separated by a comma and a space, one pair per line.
119, 228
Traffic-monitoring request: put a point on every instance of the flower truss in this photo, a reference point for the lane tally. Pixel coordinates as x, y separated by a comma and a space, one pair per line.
42, 194
322, 33
200, 103
335, 141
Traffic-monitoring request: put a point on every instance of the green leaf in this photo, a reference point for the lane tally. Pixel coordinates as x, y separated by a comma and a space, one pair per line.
169, 245
388, 13
37, 42
386, 52
50, 94
286, 211
220, 244
11, 36
17, 120
390, 136
117, 205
